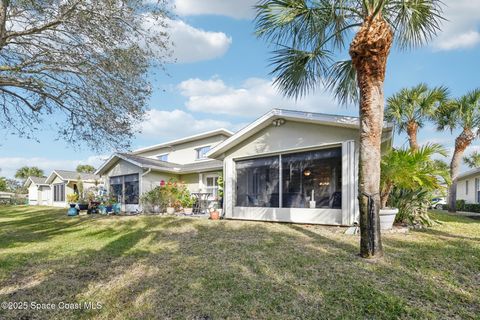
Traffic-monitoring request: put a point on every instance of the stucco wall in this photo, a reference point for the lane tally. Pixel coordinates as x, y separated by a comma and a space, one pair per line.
33, 194
153, 179
461, 189
185, 152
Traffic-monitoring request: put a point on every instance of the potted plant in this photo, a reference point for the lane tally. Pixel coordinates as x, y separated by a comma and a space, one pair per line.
72, 200
187, 202
82, 202
408, 170
214, 214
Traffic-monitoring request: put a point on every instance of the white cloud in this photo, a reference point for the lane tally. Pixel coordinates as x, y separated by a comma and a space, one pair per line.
462, 28
9, 165
238, 9
254, 95
176, 124
191, 44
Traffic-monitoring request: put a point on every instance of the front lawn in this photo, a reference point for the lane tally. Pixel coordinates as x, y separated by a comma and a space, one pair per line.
185, 268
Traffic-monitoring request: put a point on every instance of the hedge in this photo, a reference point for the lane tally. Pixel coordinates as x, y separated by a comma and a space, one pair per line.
467, 207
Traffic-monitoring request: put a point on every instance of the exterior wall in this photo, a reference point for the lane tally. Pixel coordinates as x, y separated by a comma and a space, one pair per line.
192, 181
44, 195
153, 179
33, 194
293, 136
472, 196
184, 153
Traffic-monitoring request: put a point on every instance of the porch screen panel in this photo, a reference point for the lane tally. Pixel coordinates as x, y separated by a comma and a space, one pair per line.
258, 182
313, 173
116, 188
132, 190
59, 192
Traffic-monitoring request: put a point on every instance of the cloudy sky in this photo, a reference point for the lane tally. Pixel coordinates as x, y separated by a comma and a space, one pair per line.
221, 79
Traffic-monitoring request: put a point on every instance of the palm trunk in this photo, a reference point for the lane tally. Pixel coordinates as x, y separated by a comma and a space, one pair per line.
369, 51
412, 129
461, 143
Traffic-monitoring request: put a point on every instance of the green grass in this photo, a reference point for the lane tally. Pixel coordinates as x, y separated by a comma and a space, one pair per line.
182, 268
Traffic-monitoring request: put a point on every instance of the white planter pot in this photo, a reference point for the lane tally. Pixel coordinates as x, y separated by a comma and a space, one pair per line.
187, 210
313, 204
387, 217
170, 210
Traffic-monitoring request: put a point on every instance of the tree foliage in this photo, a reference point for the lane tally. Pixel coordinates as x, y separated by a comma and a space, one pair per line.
473, 160
25, 172
79, 66
85, 168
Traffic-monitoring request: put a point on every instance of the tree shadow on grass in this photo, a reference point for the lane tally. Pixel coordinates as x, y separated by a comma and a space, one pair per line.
166, 267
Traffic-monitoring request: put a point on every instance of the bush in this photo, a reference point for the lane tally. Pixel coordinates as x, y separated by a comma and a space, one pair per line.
460, 205
472, 207
412, 206
170, 194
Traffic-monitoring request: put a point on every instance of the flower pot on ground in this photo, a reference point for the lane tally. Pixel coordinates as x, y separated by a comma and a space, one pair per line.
214, 215
387, 218
72, 211
82, 206
188, 210
170, 210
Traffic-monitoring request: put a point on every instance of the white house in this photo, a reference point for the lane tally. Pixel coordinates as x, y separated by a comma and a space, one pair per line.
468, 186
294, 166
38, 191
64, 182
129, 175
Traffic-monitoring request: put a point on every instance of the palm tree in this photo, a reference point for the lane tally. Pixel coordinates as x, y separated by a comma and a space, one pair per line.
310, 36
411, 107
85, 168
462, 113
25, 172
473, 160
412, 169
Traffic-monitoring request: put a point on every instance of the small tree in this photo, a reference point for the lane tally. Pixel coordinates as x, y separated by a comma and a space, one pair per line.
473, 160
85, 168
3, 184
79, 66
462, 113
410, 108
25, 172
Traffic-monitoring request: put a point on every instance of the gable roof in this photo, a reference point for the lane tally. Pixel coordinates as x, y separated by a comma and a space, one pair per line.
469, 173
202, 135
159, 165
39, 181
298, 116
67, 175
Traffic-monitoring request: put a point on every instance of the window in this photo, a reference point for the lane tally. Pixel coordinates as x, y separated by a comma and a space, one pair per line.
125, 188
212, 186
163, 157
477, 189
258, 182
59, 192
466, 187
201, 152
291, 180
312, 176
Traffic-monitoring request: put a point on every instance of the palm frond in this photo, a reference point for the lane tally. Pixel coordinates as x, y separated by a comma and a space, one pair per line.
414, 22
342, 81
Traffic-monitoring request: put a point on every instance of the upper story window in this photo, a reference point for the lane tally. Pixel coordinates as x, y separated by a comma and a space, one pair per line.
201, 152
163, 157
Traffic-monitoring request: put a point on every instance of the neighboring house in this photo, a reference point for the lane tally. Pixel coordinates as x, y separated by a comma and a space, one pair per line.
277, 165
38, 191
64, 182
468, 186
129, 175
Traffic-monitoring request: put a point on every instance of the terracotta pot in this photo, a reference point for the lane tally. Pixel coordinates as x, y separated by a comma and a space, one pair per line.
214, 215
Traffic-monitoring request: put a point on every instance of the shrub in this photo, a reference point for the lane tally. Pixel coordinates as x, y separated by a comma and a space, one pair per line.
72, 198
170, 194
472, 207
412, 206
460, 205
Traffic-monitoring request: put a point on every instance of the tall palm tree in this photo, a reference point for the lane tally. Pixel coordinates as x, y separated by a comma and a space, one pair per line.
464, 114
411, 107
25, 172
309, 37
473, 160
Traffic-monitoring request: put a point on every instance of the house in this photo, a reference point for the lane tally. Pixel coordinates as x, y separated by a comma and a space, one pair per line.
64, 182
293, 166
38, 191
129, 175
468, 186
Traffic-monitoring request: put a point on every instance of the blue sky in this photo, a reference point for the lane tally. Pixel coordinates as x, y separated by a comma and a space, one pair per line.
221, 79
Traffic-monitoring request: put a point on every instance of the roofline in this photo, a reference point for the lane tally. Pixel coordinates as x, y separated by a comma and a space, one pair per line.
206, 134
55, 172
469, 173
120, 156
314, 117
38, 184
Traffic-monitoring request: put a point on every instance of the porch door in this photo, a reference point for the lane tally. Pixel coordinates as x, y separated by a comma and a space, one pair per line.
127, 191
